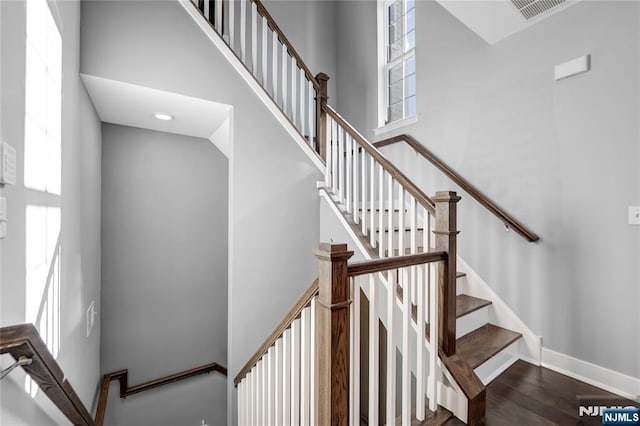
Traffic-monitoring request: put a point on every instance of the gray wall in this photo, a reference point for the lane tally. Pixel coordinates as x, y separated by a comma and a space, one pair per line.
80, 216
274, 207
563, 157
164, 269
311, 26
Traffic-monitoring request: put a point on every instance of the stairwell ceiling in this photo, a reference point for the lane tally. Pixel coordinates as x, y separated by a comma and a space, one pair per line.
132, 105
494, 20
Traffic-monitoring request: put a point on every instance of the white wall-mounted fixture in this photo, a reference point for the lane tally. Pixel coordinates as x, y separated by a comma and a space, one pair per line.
634, 215
7, 164
91, 317
573, 67
3, 217
163, 116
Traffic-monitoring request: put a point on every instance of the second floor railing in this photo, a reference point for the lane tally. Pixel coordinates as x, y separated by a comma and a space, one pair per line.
258, 42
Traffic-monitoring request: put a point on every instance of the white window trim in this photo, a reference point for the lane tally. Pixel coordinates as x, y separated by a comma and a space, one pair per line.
382, 37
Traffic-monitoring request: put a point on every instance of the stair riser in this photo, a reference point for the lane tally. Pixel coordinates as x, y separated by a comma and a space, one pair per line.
472, 321
493, 367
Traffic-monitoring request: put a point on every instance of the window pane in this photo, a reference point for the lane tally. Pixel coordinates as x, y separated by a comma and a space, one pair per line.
411, 19
35, 153
410, 85
410, 66
395, 73
411, 4
395, 11
395, 92
395, 112
411, 40
411, 106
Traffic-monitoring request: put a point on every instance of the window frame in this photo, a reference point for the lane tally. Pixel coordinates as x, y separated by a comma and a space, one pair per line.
385, 65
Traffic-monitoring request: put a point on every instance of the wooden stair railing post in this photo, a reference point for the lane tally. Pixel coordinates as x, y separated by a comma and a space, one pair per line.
332, 334
446, 234
321, 116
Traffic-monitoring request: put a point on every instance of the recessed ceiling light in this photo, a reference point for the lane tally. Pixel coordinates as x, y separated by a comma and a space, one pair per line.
163, 116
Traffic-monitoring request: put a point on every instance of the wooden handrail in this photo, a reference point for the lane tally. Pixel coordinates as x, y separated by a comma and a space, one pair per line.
390, 263
470, 189
293, 313
411, 187
284, 40
23, 340
123, 377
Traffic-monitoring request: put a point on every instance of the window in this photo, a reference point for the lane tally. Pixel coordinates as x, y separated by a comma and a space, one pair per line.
399, 62
42, 174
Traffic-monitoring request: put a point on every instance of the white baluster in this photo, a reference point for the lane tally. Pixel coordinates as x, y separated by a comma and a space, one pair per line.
294, 86
278, 379
406, 346
356, 180
433, 344
354, 377
334, 152
265, 39
265, 390
374, 347
301, 105
391, 351
241, 402
349, 176
271, 378
420, 335
305, 367
274, 64
363, 190
286, 377
295, 372
381, 236
219, 16
341, 163
259, 392
254, 38
390, 217
413, 224
285, 99
232, 23
329, 163
401, 226
311, 108
243, 30
312, 374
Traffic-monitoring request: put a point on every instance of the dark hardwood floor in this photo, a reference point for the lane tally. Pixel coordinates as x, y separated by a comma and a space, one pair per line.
528, 395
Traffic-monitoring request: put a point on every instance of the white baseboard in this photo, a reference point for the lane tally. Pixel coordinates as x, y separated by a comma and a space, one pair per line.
609, 380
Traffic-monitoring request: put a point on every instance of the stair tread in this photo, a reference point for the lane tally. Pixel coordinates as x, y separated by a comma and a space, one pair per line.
386, 209
439, 417
407, 251
466, 304
483, 343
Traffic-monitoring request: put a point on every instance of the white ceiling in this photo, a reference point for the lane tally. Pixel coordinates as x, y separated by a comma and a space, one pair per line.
131, 105
494, 20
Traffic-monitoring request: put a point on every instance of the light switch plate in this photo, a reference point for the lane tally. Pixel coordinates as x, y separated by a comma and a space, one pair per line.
7, 164
634, 215
3, 217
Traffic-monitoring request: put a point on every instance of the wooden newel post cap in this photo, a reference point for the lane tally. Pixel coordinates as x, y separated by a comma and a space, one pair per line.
446, 197
333, 251
322, 77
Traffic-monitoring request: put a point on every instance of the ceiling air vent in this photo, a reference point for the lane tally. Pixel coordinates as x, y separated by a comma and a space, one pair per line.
532, 8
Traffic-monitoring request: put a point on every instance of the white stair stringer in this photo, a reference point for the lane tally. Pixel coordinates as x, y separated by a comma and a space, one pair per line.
528, 347
251, 81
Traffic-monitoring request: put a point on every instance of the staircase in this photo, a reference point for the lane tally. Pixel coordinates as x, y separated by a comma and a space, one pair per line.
411, 289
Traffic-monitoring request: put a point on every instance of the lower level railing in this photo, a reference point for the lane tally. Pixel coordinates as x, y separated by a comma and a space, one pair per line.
364, 336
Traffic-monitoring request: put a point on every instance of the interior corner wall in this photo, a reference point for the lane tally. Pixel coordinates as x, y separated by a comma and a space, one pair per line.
563, 157
80, 217
273, 200
164, 272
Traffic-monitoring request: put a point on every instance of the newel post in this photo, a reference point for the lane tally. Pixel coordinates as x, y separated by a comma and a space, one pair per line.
446, 233
332, 334
321, 117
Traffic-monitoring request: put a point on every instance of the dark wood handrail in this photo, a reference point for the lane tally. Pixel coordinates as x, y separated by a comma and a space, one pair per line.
293, 313
470, 189
391, 263
123, 377
416, 192
284, 40
23, 340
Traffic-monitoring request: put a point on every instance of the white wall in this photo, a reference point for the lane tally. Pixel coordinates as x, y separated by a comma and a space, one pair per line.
164, 271
274, 215
80, 207
563, 157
